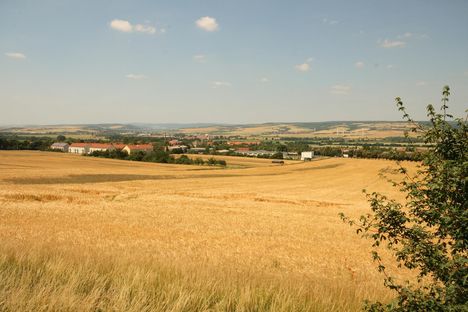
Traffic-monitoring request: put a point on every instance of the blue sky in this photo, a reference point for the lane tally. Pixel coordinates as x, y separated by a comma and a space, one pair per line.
222, 61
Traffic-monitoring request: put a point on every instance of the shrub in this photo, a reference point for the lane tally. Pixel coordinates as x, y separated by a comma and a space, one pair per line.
428, 233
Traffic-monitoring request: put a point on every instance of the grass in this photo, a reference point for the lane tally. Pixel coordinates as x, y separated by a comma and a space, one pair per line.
44, 281
261, 238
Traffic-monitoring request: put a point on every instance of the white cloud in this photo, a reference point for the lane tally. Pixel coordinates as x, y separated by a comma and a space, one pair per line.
304, 67
207, 23
136, 76
392, 44
200, 58
390, 66
264, 80
16, 55
127, 27
220, 84
329, 22
340, 89
359, 64
421, 83
145, 29
121, 25
406, 35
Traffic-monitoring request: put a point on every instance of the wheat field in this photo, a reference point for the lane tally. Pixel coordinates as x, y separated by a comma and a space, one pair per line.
87, 234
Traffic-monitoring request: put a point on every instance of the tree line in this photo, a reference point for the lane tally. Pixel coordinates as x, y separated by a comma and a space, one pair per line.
158, 156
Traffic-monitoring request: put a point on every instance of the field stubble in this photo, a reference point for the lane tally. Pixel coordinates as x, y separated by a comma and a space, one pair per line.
80, 233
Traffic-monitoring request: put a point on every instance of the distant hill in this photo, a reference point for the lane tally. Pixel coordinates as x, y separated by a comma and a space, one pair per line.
371, 129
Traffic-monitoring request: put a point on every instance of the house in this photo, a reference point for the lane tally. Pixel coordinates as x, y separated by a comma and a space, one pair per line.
256, 153
100, 147
290, 155
235, 143
119, 146
242, 150
174, 142
79, 148
178, 148
60, 147
138, 148
307, 155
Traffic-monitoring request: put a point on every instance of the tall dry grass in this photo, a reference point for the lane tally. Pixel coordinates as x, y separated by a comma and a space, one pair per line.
45, 279
82, 234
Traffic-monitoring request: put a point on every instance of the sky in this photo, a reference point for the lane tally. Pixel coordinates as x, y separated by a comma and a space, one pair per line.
220, 61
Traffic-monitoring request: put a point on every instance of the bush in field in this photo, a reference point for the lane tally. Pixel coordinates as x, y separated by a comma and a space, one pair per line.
158, 156
429, 232
277, 155
211, 161
184, 160
198, 161
137, 156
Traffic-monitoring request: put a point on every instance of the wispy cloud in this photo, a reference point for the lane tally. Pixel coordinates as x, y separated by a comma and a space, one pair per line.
340, 89
359, 64
387, 44
390, 66
264, 79
15, 55
127, 27
421, 83
136, 76
207, 23
406, 35
329, 21
220, 84
145, 29
200, 58
305, 67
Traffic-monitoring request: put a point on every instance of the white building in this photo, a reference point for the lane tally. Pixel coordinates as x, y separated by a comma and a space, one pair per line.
100, 147
79, 148
60, 146
307, 155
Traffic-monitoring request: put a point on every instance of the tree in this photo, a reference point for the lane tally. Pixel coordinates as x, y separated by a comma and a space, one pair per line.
428, 232
61, 138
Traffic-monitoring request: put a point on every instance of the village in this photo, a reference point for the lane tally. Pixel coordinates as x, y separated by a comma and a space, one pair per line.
176, 147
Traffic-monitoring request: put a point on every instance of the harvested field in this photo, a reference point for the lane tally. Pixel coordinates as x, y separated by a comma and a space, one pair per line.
82, 233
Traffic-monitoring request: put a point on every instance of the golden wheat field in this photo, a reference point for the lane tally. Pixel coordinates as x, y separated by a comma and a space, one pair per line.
86, 234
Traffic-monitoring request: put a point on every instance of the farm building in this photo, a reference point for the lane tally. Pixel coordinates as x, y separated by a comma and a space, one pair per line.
79, 148
307, 155
60, 147
100, 147
177, 148
174, 142
138, 148
290, 155
119, 146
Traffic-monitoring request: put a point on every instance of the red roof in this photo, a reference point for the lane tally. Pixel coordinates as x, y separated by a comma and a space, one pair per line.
100, 145
174, 142
119, 145
79, 145
243, 142
141, 147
